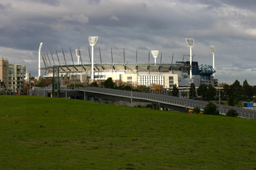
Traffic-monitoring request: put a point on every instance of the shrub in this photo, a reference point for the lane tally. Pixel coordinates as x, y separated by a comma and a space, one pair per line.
196, 110
232, 113
211, 109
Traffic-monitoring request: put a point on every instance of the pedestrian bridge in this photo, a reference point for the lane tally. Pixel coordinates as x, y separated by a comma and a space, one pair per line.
166, 100
161, 100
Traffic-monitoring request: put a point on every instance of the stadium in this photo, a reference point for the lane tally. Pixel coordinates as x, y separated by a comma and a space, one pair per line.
182, 73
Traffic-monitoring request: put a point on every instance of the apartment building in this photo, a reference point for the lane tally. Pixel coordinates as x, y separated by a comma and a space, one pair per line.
16, 77
13, 76
4, 72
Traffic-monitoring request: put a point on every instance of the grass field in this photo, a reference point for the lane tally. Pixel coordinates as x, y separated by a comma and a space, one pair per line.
53, 133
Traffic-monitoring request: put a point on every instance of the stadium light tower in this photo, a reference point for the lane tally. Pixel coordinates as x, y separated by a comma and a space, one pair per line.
39, 60
155, 54
213, 57
93, 40
78, 54
190, 42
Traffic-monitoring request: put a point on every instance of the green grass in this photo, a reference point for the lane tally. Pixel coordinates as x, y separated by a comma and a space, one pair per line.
51, 133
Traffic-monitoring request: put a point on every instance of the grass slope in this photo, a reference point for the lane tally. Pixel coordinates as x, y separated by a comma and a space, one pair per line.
52, 133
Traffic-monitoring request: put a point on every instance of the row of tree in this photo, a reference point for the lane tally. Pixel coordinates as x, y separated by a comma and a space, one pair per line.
233, 93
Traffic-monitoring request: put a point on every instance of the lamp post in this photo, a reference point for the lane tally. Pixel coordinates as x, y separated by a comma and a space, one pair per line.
213, 57
190, 42
78, 54
93, 40
155, 54
39, 60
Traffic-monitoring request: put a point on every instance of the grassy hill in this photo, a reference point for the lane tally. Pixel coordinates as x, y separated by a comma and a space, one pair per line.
53, 133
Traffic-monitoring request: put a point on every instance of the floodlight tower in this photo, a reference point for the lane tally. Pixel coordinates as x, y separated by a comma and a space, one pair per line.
39, 60
213, 57
93, 40
190, 42
155, 54
78, 54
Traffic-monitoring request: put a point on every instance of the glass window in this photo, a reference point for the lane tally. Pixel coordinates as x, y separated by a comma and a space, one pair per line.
129, 78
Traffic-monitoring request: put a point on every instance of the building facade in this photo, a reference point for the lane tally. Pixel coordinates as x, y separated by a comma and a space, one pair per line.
12, 76
4, 73
16, 77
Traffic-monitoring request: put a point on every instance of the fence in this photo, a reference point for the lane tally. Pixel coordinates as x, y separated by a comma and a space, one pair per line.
170, 100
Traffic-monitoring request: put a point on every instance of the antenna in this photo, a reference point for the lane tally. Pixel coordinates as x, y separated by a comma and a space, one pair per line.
155, 54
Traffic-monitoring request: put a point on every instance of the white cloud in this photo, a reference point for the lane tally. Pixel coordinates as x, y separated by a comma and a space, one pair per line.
113, 17
81, 18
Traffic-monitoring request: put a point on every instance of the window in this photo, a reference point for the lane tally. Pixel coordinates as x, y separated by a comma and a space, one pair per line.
13, 78
170, 81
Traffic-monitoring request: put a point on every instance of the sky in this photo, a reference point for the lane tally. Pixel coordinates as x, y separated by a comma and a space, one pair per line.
142, 25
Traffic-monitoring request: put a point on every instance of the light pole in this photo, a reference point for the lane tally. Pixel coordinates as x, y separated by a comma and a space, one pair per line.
213, 57
190, 42
39, 60
78, 54
93, 40
155, 54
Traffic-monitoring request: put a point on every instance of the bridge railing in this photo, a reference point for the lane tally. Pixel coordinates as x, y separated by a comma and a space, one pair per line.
166, 99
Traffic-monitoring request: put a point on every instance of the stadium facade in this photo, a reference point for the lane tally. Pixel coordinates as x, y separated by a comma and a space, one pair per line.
137, 74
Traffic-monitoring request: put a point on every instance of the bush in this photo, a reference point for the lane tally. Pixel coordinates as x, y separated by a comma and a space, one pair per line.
232, 113
196, 110
211, 109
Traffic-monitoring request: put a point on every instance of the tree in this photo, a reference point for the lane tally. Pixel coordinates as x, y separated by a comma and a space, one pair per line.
201, 91
192, 91
231, 101
211, 109
44, 82
109, 83
211, 92
226, 88
142, 88
175, 90
232, 113
26, 86
157, 87
94, 84
196, 110
236, 90
247, 90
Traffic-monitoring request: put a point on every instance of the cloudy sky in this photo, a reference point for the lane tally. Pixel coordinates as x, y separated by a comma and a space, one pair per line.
145, 25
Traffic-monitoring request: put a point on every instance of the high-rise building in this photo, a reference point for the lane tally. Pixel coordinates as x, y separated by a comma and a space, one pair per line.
12, 76
16, 77
4, 72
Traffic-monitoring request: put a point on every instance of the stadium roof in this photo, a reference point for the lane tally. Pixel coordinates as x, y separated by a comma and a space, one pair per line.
118, 67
